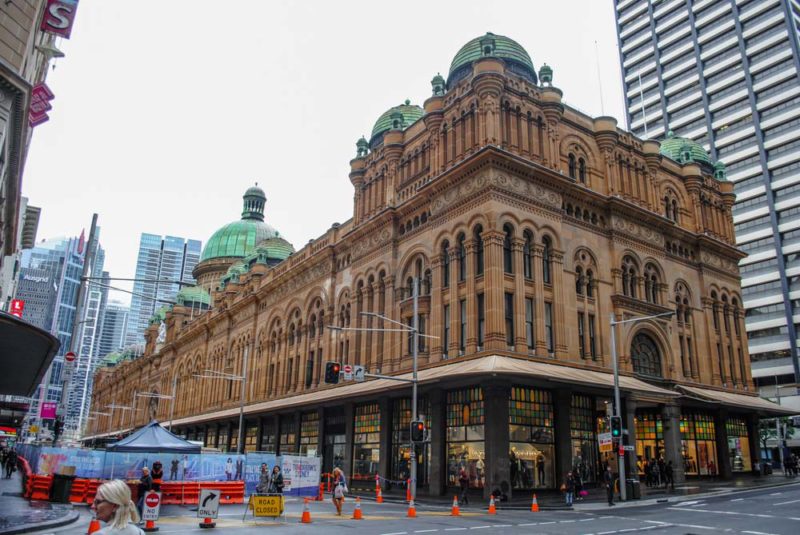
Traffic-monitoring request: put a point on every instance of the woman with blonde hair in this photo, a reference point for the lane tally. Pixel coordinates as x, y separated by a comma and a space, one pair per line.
113, 506
339, 489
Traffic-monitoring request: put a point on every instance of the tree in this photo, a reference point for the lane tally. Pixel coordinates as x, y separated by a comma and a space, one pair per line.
767, 431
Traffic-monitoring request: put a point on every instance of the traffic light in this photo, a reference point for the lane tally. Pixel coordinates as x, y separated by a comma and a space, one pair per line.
332, 370
417, 431
616, 426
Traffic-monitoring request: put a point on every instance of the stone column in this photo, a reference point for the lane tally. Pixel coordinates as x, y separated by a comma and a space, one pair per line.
559, 296
390, 338
493, 290
520, 342
498, 474
455, 309
384, 465
357, 320
347, 462
438, 463
561, 408
671, 421
375, 293
538, 321
472, 297
629, 423
755, 443
435, 321
724, 468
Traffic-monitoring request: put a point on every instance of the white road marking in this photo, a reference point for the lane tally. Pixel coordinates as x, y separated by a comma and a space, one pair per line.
567, 521
658, 522
695, 526
480, 527
684, 504
455, 529
738, 500
786, 503
605, 517
629, 529
731, 513
396, 533
757, 533
648, 527
543, 523
586, 520
776, 494
502, 525
425, 530
532, 524
606, 532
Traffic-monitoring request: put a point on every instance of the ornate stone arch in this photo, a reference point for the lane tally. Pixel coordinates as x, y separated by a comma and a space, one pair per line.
646, 353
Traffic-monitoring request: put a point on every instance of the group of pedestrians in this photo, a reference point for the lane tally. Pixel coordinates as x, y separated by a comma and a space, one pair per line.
8, 459
270, 482
791, 465
573, 486
658, 473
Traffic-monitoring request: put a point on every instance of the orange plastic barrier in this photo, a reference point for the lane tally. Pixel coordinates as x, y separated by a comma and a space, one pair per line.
172, 492
78, 492
91, 489
191, 493
232, 491
41, 487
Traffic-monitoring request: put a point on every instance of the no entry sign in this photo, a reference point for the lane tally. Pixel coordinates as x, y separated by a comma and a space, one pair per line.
152, 503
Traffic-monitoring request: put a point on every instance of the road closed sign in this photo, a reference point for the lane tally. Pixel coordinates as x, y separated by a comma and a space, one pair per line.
151, 505
267, 506
208, 506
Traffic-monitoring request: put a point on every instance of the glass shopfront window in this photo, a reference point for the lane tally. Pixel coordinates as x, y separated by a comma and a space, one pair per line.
251, 438
738, 445
211, 437
287, 441
584, 440
222, 441
366, 442
309, 433
649, 439
401, 452
335, 440
698, 445
268, 439
531, 439
465, 437
234, 439
201, 435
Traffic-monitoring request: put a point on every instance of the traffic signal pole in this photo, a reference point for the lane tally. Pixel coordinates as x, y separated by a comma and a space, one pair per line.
414, 415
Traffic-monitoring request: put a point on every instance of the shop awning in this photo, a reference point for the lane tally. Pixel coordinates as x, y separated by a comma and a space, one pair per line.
484, 366
753, 402
26, 352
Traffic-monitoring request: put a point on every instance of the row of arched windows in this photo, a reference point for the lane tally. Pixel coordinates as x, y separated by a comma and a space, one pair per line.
576, 168
630, 281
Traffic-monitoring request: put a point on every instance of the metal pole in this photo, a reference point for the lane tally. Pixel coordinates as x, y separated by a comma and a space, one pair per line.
133, 409
241, 401
617, 407
415, 352
174, 393
778, 427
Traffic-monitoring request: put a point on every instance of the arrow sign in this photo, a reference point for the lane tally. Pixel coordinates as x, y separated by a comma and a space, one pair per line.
210, 496
208, 503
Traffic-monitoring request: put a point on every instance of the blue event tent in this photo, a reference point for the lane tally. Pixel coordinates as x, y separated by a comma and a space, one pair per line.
153, 438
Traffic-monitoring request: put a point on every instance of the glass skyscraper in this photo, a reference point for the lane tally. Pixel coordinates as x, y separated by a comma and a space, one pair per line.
724, 73
115, 324
161, 263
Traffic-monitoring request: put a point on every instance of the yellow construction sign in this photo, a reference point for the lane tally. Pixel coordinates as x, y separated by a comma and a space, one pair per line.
266, 505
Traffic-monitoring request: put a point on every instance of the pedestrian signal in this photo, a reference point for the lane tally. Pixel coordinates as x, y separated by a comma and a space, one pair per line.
616, 426
417, 431
332, 370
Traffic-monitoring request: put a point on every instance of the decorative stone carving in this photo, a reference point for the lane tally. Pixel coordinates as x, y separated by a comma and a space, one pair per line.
634, 230
371, 242
502, 181
718, 262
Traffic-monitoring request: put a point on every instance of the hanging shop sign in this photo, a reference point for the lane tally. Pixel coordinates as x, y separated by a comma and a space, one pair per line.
40, 104
59, 15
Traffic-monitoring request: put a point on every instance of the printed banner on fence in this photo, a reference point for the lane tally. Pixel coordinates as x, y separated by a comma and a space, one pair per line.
253, 469
300, 475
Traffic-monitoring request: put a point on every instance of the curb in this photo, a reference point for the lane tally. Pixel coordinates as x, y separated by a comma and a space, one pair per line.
71, 518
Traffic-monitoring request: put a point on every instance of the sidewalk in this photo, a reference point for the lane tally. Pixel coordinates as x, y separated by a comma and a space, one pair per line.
19, 515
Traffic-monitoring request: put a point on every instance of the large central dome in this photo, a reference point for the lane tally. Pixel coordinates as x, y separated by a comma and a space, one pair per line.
239, 238
491, 45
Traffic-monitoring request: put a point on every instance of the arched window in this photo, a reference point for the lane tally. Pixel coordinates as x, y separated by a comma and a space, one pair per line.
571, 159
579, 280
546, 260
526, 254
582, 171
508, 259
312, 327
651, 284
674, 210
726, 314
645, 356
426, 283
445, 264
715, 309
735, 304
462, 258
476, 235
629, 276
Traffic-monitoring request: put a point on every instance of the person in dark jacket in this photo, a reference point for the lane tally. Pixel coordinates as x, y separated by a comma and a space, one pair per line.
669, 475
608, 479
145, 484
569, 488
463, 482
158, 475
276, 481
11, 463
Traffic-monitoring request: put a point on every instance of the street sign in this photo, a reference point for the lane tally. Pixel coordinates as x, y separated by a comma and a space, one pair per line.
17, 307
69, 356
358, 373
628, 447
151, 506
348, 372
621, 450
605, 441
208, 506
269, 506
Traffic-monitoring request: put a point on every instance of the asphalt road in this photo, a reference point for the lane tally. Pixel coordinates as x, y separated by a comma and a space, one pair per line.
773, 511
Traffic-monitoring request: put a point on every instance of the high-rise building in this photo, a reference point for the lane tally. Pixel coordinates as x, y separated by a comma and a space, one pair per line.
112, 335
724, 73
161, 264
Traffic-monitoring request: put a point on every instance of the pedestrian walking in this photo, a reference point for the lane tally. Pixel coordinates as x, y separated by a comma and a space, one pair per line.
263, 480
339, 489
145, 484
239, 467
608, 479
112, 505
463, 482
11, 463
569, 489
669, 472
576, 475
276, 481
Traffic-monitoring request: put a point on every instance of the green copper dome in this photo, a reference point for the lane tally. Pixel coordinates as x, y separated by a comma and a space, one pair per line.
193, 296
491, 45
684, 150
274, 251
407, 113
237, 239
160, 314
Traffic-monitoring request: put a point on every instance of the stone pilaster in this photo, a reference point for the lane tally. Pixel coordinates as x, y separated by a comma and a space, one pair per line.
562, 407
498, 475
724, 469
438, 465
671, 421
493, 290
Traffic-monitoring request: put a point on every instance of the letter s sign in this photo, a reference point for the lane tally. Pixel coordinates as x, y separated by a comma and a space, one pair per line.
59, 16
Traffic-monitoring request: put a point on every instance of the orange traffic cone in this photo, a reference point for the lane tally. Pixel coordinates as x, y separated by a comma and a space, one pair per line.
492, 509
412, 511
379, 497
455, 511
149, 526
357, 510
207, 523
94, 525
535, 504
306, 518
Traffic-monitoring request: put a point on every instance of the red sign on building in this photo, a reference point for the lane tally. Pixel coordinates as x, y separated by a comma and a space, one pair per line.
40, 104
59, 16
17, 307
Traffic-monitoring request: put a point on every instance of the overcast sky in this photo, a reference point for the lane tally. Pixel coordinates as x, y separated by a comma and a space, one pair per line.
165, 111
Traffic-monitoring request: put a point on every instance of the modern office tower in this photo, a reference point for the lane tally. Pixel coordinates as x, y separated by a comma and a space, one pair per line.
724, 73
112, 334
169, 259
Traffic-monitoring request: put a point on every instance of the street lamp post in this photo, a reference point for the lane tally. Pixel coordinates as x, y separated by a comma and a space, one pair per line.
617, 404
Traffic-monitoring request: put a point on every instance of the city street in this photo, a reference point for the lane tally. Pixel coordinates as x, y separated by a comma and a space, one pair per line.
773, 511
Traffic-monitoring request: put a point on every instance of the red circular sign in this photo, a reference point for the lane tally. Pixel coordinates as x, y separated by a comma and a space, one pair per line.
69, 357
151, 499
348, 368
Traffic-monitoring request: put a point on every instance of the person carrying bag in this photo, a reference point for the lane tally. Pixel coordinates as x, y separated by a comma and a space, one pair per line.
339, 489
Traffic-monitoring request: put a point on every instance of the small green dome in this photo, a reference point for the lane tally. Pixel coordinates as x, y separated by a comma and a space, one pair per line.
160, 315
491, 45
409, 113
237, 239
193, 296
684, 150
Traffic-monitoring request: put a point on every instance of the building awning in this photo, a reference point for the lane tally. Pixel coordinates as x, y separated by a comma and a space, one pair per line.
751, 402
26, 352
484, 366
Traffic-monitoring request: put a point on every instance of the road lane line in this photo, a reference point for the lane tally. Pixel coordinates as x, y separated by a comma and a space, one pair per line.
738, 500
660, 523
530, 524
758, 533
786, 503
567, 521
730, 513
455, 529
396, 533
425, 530
776, 494
648, 527
586, 520
544, 523
629, 529
606, 532
502, 525
695, 526
480, 527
